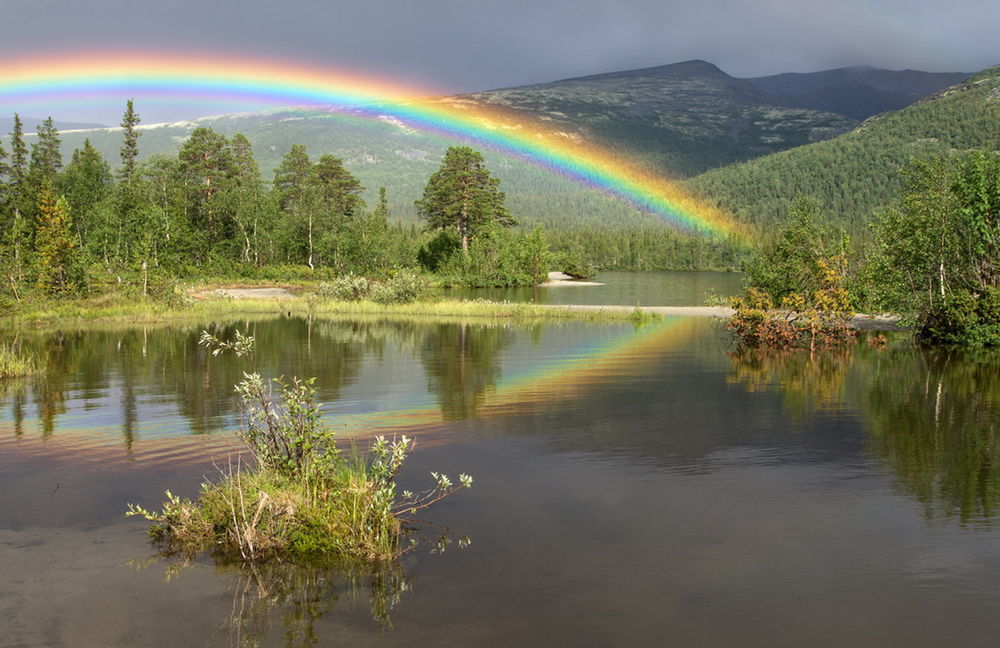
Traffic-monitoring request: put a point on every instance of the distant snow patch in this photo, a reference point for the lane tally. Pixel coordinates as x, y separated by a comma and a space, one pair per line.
393, 121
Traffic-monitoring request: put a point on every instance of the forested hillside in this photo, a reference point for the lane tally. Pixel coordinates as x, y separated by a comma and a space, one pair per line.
854, 174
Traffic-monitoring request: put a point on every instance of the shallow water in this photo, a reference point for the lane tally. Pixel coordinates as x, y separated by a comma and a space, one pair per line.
621, 289
633, 487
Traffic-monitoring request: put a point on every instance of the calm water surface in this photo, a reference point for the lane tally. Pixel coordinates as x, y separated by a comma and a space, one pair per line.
633, 487
622, 288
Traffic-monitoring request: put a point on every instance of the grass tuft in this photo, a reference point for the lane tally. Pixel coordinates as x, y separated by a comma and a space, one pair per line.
14, 362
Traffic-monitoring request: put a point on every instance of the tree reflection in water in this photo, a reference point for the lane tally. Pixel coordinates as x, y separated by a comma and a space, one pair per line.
462, 364
932, 416
298, 597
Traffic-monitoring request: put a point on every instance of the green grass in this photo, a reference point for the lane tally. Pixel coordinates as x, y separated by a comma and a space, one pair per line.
15, 363
261, 514
110, 308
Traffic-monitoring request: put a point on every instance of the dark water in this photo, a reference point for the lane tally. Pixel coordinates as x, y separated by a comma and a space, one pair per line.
622, 288
633, 487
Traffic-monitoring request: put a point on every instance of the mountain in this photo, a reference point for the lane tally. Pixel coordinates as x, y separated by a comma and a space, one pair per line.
857, 92
683, 118
856, 173
30, 123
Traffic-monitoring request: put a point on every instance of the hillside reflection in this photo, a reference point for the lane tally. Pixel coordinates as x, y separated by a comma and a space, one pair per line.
932, 416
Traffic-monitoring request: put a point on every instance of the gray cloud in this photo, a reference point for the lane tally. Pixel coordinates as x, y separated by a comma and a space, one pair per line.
456, 45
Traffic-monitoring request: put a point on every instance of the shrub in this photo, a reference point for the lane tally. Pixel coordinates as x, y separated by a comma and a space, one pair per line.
348, 287
963, 318
301, 499
439, 250
402, 288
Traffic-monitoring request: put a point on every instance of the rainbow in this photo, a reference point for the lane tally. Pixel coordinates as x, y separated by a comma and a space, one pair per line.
81, 78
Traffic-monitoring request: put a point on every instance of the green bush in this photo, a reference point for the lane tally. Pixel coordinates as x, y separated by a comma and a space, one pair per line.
402, 288
963, 318
346, 288
437, 252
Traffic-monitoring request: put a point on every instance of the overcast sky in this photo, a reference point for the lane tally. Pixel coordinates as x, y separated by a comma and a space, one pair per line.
467, 45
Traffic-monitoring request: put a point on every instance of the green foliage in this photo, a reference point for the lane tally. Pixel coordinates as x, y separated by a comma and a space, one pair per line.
59, 269
790, 262
463, 195
347, 287
500, 257
936, 257
802, 272
404, 287
438, 251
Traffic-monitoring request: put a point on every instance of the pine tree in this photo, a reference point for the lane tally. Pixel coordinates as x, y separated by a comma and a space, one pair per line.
462, 194
339, 190
295, 191
205, 166
292, 176
130, 143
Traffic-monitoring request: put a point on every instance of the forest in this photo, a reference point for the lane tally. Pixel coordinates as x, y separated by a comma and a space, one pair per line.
208, 212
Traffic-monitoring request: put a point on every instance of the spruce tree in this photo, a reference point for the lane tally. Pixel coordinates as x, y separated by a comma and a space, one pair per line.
382, 208
292, 176
46, 157
18, 197
130, 143
4, 186
295, 191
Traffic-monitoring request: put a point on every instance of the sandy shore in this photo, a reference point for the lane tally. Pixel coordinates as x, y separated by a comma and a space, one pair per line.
251, 293
557, 279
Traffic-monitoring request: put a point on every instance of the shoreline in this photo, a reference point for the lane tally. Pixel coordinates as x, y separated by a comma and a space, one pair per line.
221, 301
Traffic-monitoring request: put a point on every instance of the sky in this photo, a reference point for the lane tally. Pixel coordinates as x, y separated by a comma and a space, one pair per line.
452, 46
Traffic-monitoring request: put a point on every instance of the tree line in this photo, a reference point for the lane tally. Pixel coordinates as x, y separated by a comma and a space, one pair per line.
208, 211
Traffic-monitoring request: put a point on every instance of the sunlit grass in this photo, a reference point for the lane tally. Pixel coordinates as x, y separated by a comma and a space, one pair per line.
14, 362
111, 308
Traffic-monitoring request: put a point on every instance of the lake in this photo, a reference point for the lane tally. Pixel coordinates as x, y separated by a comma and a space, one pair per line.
634, 486
667, 288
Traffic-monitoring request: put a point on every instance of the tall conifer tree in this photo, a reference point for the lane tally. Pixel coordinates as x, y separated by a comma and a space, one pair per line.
130, 142
46, 157
18, 197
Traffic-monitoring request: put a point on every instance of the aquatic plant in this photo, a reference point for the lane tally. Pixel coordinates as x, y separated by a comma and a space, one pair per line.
14, 362
299, 497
